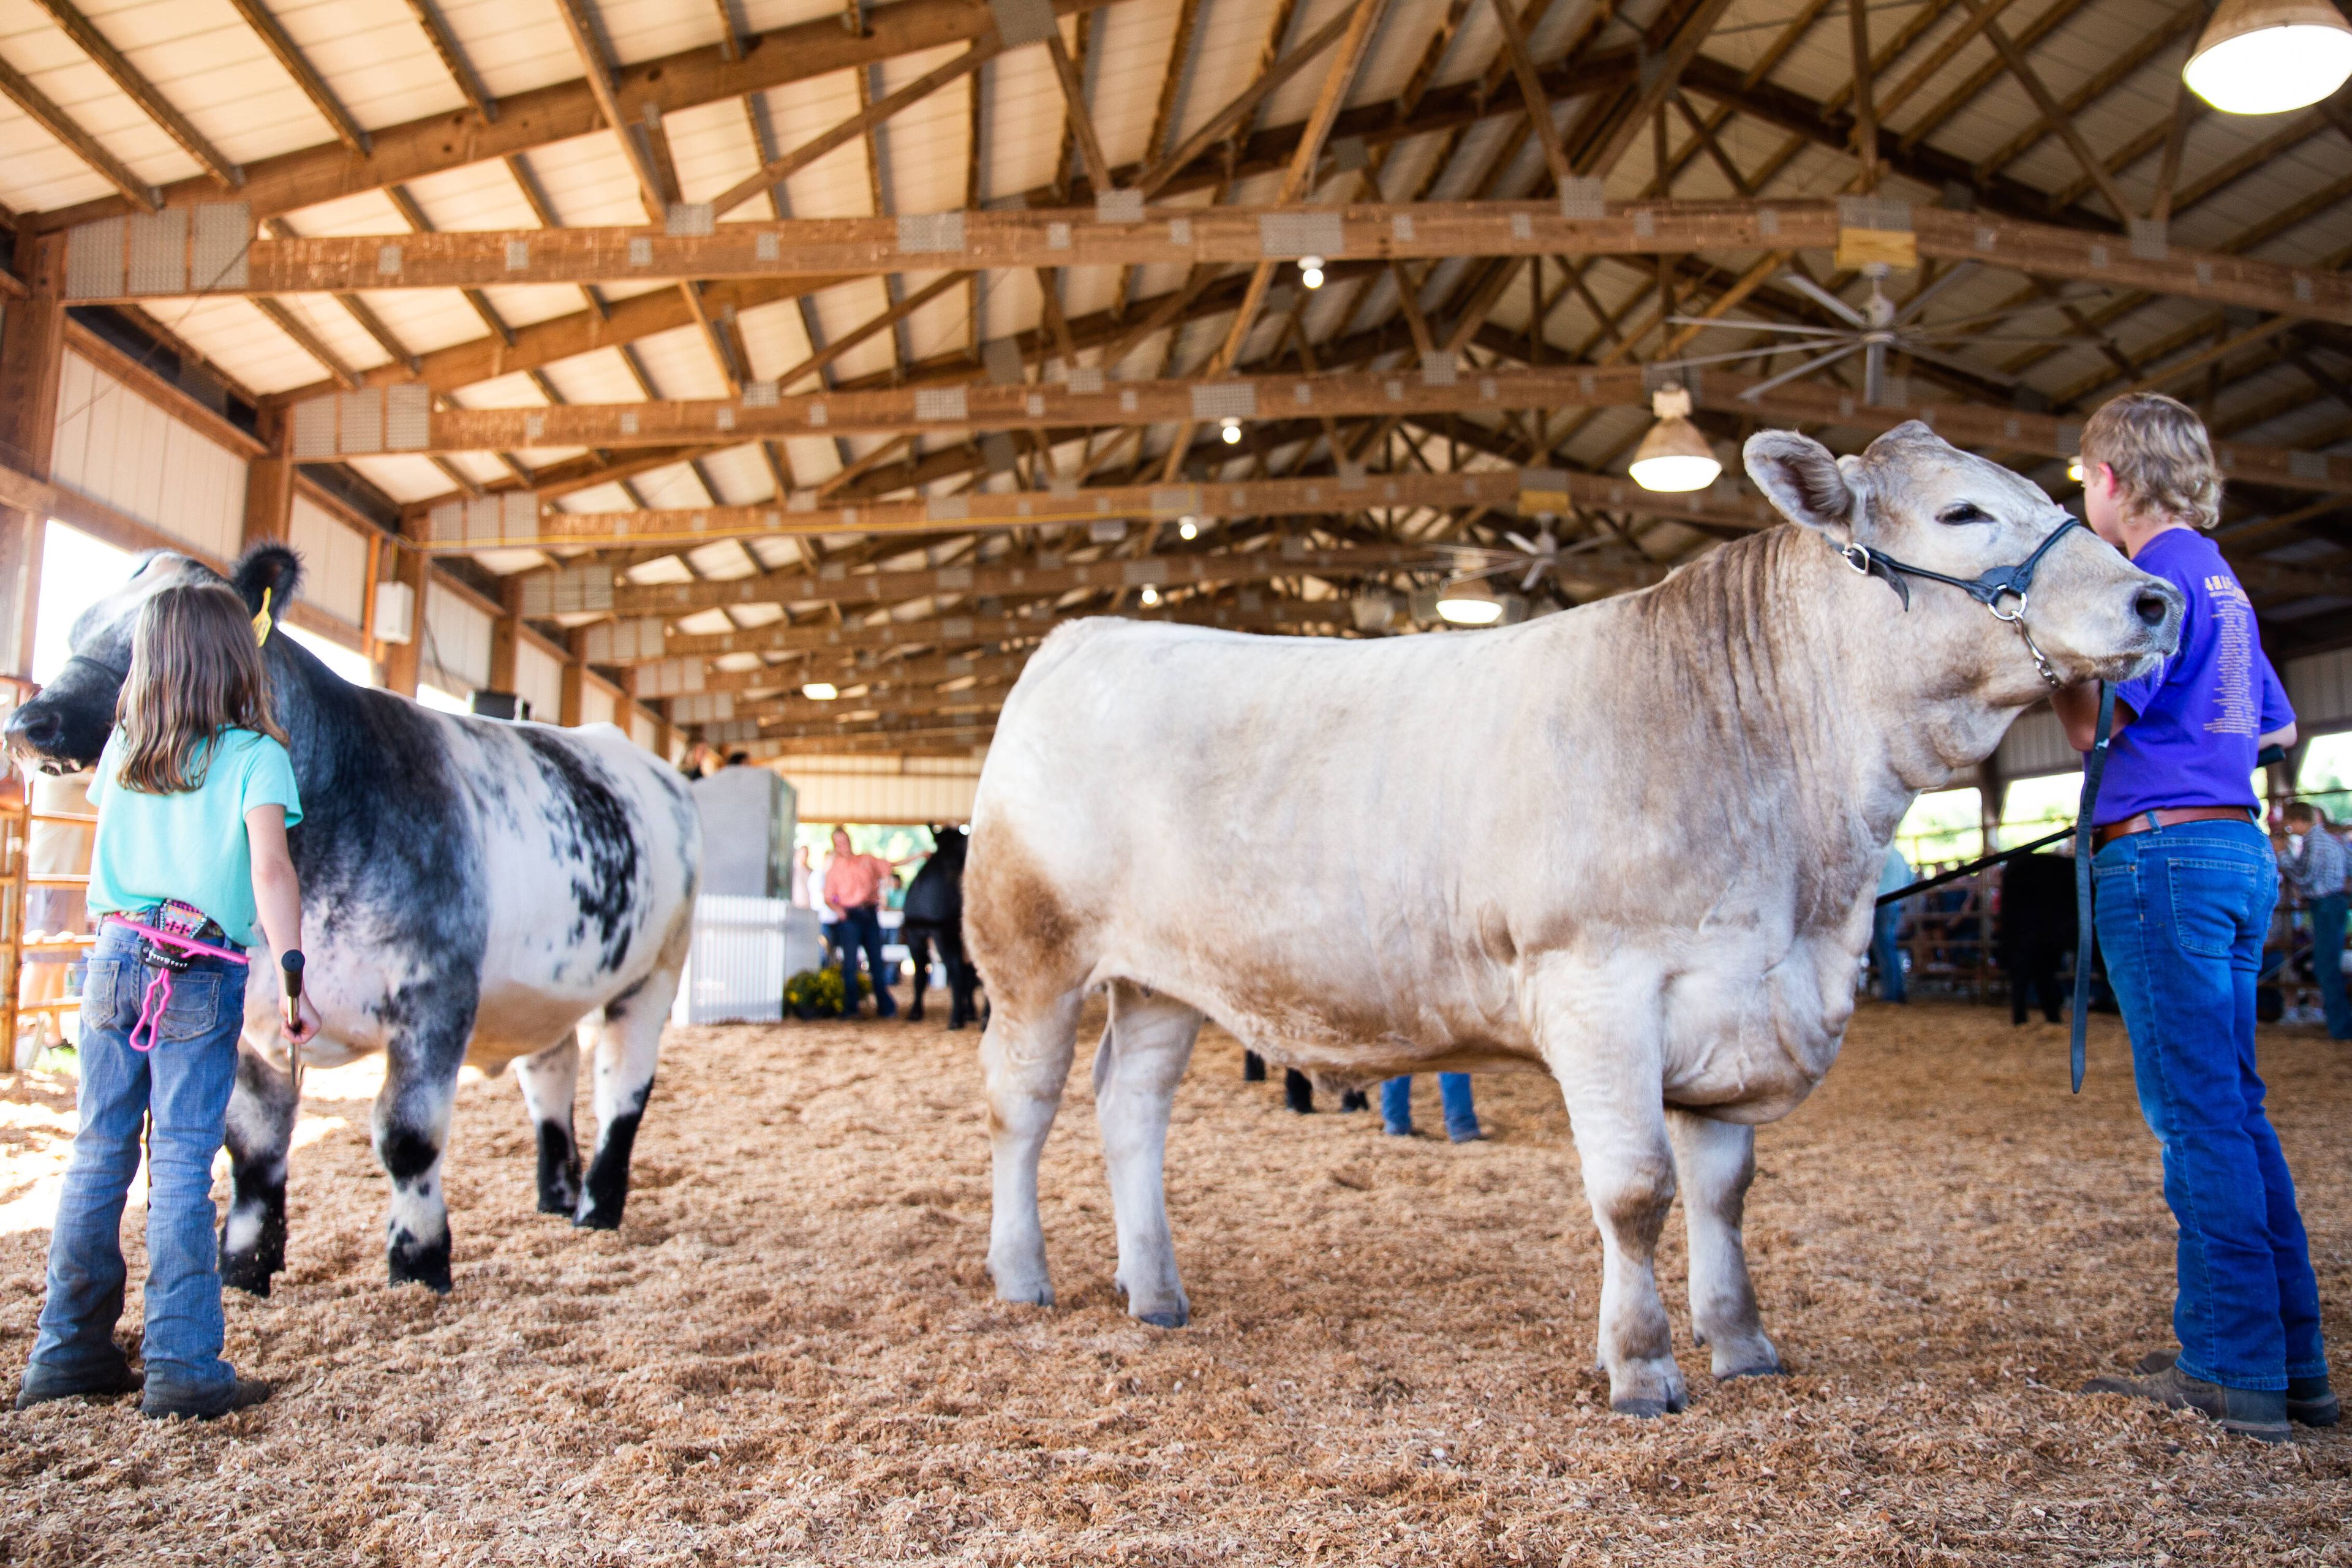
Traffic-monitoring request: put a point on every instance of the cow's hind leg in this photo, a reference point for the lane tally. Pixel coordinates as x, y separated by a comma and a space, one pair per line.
918, 968
1144, 1053
628, 1047
260, 1133
412, 1130
1715, 1162
1024, 1054
550, 1082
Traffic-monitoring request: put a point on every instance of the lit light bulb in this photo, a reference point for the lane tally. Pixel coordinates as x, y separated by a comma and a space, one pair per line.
1188, 528
1150, 597
820, 691
1674, 456
2074, 469
1231, 429
1470, 604
1311, 271
2266, 57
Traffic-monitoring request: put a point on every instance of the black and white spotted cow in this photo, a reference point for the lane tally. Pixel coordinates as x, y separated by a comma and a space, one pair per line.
472, 892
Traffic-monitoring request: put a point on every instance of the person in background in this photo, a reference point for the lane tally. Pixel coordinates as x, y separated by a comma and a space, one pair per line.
854, 886
801, 877
2185, 882
2316, 872
1453, 1091
1886, 924
195, 792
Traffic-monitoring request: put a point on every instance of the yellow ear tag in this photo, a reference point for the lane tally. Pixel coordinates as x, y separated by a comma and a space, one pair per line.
261, 620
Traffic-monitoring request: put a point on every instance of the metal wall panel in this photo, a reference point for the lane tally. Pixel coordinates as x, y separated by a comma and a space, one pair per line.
539, 681
456, 644
334, 561
114, 446
882, 798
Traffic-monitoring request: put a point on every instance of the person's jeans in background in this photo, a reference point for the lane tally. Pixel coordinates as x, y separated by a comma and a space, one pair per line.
1452, 1089
184, 1082
1885, 923
861, 930
2328, 964
2182, 915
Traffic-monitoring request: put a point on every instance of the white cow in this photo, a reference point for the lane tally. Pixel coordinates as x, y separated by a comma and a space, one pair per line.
1634, 844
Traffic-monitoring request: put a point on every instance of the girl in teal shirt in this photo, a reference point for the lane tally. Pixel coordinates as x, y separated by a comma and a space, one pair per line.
195, 793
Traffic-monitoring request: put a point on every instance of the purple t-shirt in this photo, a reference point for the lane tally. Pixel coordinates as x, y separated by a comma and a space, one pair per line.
2201, 714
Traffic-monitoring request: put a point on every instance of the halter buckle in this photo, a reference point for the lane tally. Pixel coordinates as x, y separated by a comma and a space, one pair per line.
1856, 556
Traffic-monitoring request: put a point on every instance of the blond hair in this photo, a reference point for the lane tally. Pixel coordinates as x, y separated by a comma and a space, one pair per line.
195, 671
2159, 453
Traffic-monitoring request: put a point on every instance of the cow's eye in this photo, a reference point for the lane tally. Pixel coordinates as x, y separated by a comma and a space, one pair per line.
1964, 511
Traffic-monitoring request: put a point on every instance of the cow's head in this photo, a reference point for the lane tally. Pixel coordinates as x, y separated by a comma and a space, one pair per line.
64, 729
949, 843
1915, 497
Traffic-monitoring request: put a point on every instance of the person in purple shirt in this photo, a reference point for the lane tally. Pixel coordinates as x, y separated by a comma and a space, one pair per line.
2185, 882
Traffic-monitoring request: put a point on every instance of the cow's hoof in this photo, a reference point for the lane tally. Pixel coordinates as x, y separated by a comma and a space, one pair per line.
597, 1219
1645, 1409
1761, 1369
1176, 1319
249, 1273
556, 1202
413, 1262
1035, 1295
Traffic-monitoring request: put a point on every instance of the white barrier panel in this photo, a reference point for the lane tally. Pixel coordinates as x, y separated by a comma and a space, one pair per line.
744, 950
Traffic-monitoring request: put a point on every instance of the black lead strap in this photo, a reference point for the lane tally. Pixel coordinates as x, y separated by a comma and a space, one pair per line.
2086, 935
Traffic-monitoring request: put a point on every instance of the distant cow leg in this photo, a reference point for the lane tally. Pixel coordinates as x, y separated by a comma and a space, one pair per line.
261, 1112
550, 1082
962, 979
628, 1047
1606, 1055
1143, 1056
1714, 1162
918, 967
1025, 1056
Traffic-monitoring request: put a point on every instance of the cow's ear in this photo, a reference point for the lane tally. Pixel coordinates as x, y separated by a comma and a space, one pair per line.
1799, 477
273, 567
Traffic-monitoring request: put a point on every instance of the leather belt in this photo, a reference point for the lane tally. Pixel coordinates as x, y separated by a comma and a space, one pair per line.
2168, 816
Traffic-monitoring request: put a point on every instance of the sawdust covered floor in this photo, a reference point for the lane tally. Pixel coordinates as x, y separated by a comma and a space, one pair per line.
790, 1351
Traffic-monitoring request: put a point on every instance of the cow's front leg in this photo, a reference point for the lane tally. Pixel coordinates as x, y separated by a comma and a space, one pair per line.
1143, 1057
411, 1130
1024, 1058
628, 1049
1715, 1162
549, 1081
260, 1135
1598, 1031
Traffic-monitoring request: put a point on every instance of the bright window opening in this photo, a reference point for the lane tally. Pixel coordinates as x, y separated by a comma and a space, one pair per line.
1943, 825
77, 572
434, 696
350, 663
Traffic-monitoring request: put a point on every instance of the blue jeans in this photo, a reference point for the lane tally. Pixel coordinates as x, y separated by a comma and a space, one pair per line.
184, 1082
1885, 923
862, 929
2328, 964
1452, 1091
2182, 915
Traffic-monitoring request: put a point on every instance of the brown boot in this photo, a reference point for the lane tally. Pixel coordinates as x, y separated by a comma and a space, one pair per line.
2309, 1401
2251, 1413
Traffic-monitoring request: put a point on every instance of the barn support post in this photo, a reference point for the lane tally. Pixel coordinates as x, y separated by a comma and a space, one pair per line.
270, 485
32, 361
575, 676
506, 635
402, 660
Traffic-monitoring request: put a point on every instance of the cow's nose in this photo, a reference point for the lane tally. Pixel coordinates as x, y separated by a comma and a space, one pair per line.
2152, 609
39, 728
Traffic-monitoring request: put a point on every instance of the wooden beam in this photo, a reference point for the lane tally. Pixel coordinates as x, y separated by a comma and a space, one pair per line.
143, 92
454, 61
831, 247
440, 143
32, 359
2052, 113
1074, 102
1523, 67
309, 342
137, 193
908, 411
652, 189
331, 108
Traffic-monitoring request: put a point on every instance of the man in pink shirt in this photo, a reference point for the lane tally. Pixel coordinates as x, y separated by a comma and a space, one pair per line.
852, 886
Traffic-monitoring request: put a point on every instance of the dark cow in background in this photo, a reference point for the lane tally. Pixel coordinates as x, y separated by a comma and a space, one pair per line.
2037, 930
934, 911
472, 890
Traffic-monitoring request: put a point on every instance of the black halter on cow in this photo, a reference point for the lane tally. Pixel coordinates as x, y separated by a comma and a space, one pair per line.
473, 890
934, 911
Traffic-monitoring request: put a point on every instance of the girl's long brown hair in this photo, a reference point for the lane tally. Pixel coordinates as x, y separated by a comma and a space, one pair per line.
195, 670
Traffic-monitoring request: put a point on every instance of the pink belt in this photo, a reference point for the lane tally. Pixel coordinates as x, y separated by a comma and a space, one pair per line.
157, 997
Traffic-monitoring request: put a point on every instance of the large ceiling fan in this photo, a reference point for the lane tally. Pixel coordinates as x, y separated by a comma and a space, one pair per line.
1871, 330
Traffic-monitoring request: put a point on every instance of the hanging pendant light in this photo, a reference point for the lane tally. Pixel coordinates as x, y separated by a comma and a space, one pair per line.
820, 691
1674, 457
2266, 57
1469, 602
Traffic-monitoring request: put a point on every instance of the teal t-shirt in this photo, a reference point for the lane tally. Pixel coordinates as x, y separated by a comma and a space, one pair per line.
189, 847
